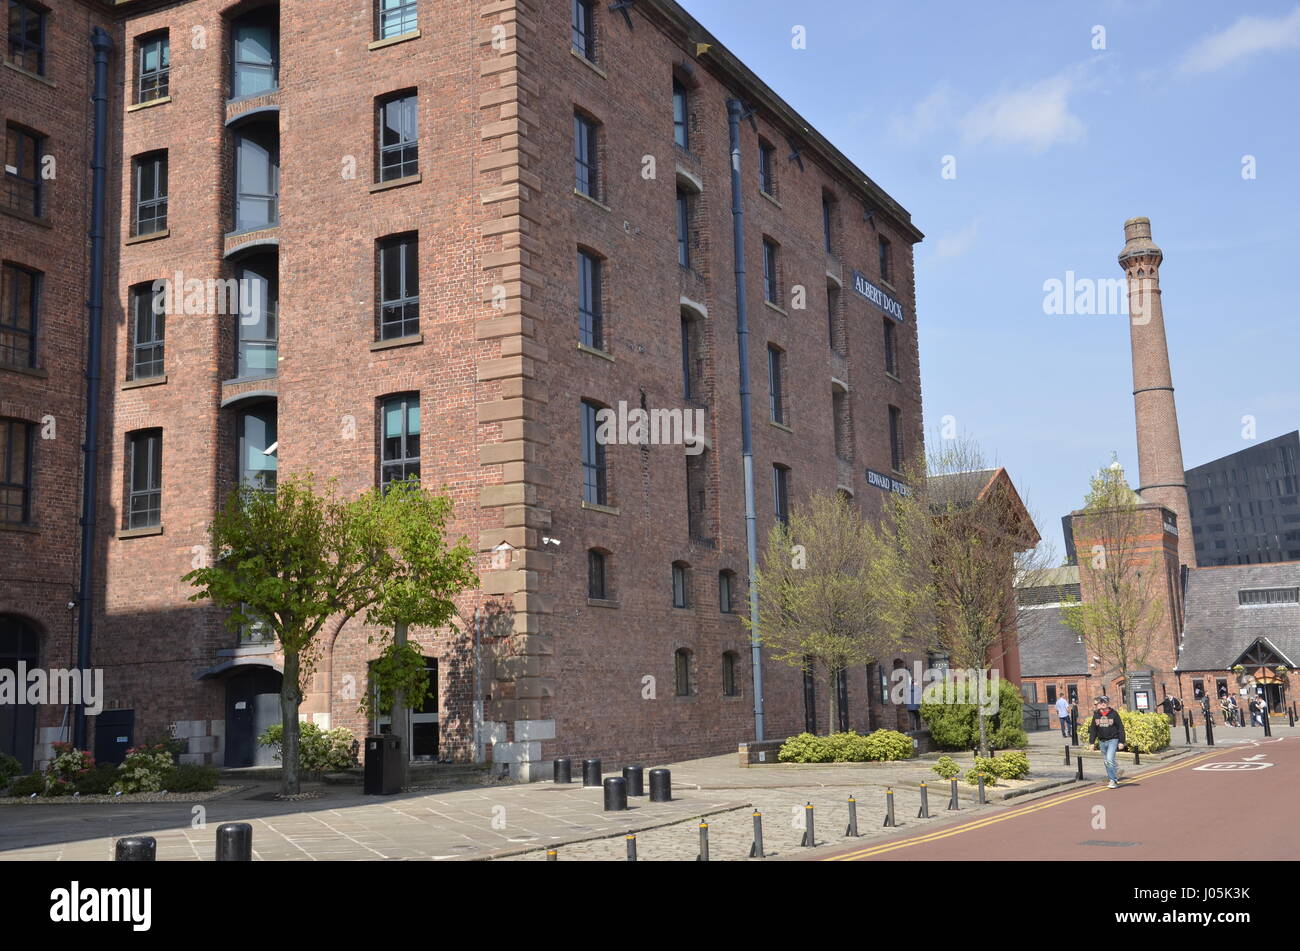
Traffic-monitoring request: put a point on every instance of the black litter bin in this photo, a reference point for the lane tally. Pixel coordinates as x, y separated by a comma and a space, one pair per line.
383, 765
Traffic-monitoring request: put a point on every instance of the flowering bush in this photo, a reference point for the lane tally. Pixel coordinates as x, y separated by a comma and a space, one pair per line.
143, 769
319, 751
68, 762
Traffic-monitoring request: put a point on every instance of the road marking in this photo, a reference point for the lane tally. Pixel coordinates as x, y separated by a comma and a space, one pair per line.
1218, 767
1002, 817
1250, 759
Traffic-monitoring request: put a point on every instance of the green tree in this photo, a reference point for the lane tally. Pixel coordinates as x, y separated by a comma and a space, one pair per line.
295, 557
818, 590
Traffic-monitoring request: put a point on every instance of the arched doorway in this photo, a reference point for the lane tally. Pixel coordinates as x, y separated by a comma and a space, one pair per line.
252, 707
19, 652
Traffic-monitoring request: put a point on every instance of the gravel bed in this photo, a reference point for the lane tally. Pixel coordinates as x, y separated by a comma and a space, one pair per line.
127, 797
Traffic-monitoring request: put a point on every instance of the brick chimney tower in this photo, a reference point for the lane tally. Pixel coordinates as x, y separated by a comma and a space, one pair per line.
1160, 452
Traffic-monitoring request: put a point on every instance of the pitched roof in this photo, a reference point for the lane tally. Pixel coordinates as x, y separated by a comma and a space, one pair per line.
1047, 647
1219, 629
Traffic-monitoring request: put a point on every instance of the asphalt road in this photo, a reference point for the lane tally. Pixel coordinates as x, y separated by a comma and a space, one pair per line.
1237, 802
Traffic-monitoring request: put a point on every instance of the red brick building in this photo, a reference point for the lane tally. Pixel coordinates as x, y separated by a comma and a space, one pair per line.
405, 238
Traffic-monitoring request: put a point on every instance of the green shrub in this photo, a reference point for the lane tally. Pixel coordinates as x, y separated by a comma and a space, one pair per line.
319, 751
9, 768
143, 769
983, 767
68, 762
850, 747
26, 785
97, 781
946, 767
1144, 732
955, 726
190, 777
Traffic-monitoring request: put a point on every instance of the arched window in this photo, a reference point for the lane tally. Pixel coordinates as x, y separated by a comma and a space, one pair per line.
681, 590
399, 421
726, 585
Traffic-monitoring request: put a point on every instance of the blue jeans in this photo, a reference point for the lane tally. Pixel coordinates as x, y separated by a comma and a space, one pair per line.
1065, 725
1108, 750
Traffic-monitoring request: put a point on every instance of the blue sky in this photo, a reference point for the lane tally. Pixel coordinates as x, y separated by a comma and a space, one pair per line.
1056, 144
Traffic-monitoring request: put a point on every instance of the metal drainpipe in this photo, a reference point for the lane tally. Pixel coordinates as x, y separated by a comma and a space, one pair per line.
102, 44
734, 112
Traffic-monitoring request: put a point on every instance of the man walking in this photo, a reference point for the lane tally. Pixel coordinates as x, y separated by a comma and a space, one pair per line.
1063, 714
1107, 729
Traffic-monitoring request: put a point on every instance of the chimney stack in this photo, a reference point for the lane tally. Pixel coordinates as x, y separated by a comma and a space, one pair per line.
1160, 453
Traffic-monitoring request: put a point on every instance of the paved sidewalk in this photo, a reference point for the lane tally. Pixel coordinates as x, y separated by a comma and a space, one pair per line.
520, 821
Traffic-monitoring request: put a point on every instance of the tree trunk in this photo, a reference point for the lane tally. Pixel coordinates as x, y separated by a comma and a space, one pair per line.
290, 698
401, 721
984, 743
834, 725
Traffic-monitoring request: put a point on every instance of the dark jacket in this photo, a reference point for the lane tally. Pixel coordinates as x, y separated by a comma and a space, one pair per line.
1106, 726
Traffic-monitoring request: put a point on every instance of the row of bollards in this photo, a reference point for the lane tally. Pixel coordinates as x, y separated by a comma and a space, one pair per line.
234, 844
617, 788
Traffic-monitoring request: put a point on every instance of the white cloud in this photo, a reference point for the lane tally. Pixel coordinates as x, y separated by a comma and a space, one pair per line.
1248, 36
1036, 116
926, 116
958, 242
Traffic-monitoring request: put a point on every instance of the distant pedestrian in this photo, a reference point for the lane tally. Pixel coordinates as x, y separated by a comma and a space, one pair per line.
1107, 730
1063, 714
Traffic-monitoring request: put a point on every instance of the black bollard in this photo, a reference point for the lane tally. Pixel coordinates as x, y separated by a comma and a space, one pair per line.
552, 855
234, 842
808, 837
1079, 774
890, 821
1187, 729
983, 798
925, 802
1268, 727
136, 848
563, 770
661, 785
952, 797
1209, 731
1290, 716
1074, 726
615, 794
756, 849
591, 772
852, 828
704, 842
1067, 754
1137, 756
631, 847
635, 776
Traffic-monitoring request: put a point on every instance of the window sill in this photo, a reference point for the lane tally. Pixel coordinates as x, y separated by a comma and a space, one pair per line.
893, 376
596, 352
781, 426
393, 40
151, 236
36, 76
602, 603
690, 179
149, 104
588, 63
770, 197
585, 197
889, 287
39, 372
29, 218
140, 532
248, 650
396, 183
597, 507
393, 342
147, 381
20, 527
776, 307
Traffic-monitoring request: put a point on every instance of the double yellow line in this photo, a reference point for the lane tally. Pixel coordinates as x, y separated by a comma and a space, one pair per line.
1004, 816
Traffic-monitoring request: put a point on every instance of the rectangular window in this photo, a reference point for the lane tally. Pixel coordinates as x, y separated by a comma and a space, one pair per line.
895, 438
394, 18
401, 439
1051, 693
724, 592
584, 29
697, 497
258, 447
886, 265
398, 137
891, 363
591, 329
154, 67
692, 369
151, 193
27, 37
681, 121
144, 504
832, 321
840, 418
399, 287
781, 493
255, 54
22, 173
766, 168
19, 306
584, 155
729, 675
595, 575
771, 290
259, 318
148, 326
679, 586
593, 458
257, 178
826, 224
683, 227
775, 402
17, 439
1269, 596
